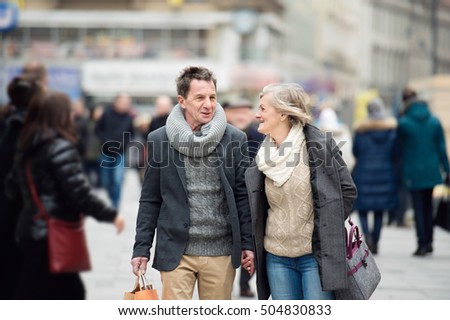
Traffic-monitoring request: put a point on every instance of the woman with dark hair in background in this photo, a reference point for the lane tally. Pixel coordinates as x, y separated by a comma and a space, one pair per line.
48, 144
20, 92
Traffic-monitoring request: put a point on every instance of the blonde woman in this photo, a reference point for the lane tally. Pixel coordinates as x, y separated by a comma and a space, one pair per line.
300, 193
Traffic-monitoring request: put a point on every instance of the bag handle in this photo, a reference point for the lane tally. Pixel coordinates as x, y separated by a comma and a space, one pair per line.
352, 238
145, 284
37, 201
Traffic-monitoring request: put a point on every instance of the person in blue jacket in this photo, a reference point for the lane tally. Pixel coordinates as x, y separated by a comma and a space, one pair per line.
374, 148
425, 163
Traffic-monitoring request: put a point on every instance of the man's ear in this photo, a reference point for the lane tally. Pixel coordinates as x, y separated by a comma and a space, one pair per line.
180, 101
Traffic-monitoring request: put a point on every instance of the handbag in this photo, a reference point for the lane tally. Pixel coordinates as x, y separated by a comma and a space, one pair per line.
362, 271
442, 218
67, 246
142, 290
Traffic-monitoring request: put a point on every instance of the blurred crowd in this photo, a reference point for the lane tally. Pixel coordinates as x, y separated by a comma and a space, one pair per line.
396, 160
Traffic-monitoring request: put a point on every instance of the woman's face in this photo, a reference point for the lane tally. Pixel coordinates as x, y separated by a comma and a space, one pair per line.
268, 117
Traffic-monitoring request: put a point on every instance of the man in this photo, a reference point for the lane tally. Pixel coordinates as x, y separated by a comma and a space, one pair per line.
194, 194
163, 106
111, 128
240, 114
425, 163
38, 71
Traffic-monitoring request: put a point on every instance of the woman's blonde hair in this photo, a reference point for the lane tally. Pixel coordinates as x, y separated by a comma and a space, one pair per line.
289, 99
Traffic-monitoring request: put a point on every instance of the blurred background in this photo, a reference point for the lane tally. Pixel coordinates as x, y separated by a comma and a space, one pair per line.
343, 52
349, 50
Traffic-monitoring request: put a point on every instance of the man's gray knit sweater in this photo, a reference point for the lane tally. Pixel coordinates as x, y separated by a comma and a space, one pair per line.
210, 229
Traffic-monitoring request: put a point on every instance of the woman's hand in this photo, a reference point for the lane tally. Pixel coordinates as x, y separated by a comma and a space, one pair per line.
248, 261
119, 223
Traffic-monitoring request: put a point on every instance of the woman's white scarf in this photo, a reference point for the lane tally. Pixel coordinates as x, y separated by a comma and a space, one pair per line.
195, 144
278, 163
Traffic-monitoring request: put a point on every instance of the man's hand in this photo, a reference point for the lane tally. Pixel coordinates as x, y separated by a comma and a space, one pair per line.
248, 261
139, 264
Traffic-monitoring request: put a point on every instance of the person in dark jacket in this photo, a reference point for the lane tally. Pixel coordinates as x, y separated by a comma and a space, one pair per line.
164, 106
300, 193
20, 91
48, 144
81, 122
240, 114
425, 164
115, 130
375, 151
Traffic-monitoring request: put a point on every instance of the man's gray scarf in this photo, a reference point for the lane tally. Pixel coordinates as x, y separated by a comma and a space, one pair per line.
195, 144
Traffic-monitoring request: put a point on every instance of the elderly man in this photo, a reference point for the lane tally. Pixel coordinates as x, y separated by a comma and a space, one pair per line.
194, 195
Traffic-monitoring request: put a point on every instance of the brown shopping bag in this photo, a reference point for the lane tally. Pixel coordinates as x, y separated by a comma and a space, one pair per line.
142, 290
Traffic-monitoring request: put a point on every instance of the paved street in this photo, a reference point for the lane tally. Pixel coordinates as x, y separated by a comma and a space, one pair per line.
404, 277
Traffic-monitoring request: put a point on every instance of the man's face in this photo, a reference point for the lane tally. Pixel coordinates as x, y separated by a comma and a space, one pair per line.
241, 117
200, 103
122, 103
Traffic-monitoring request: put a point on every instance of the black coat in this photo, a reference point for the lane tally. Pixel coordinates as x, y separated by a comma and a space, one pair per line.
115, 131
60, 182
9, 209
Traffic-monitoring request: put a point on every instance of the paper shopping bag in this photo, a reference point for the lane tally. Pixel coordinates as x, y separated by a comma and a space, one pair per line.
142, 290
130, 295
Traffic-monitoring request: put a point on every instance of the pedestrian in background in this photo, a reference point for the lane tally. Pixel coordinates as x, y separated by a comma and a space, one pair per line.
329, 121
48, 144
38, 71
163, 106
21, 91
194, 196
425, 163
300, 193
376, 153
240, 114
81, 121
92, 155
115, 130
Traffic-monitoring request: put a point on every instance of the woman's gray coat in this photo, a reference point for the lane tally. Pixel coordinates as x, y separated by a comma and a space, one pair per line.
333, 195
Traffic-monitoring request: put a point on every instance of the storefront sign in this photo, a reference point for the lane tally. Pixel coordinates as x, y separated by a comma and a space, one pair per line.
9, 16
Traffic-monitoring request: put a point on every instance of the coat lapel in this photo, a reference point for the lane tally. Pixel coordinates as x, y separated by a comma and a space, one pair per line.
179, 164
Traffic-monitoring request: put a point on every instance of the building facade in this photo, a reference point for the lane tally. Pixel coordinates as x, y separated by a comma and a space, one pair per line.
96, 49
405, 40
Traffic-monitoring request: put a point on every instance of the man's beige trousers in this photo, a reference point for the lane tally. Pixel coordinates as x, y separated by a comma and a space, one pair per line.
214, 275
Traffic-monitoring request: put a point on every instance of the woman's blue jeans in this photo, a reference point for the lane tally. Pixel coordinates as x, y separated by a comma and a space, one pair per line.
295, 278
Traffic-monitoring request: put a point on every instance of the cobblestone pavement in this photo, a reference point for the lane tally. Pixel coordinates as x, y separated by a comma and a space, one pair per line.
404, 277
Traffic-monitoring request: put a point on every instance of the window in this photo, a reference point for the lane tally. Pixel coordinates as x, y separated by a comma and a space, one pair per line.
99, 43
69, 43
42, 44
152, 43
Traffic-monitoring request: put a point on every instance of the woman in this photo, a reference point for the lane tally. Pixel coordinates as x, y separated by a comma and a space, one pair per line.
375, 149
48, 143
300, 194
21, 90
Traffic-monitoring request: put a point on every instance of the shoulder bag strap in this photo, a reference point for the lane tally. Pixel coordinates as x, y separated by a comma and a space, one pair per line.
37, 201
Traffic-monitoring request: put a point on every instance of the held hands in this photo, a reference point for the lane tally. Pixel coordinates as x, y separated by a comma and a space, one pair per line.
139, 264
248, 261
119, 223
